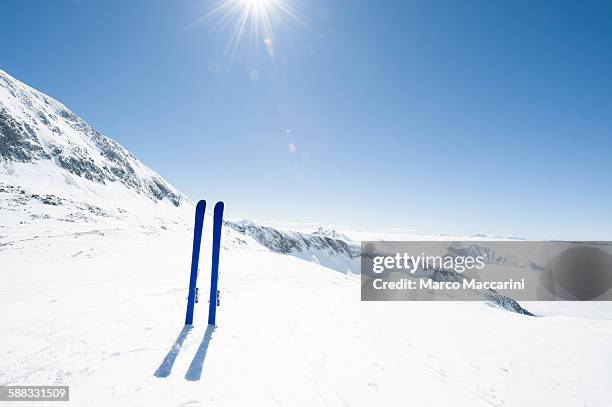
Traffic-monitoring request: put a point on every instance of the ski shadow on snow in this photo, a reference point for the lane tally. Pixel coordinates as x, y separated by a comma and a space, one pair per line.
194, 372
165, 368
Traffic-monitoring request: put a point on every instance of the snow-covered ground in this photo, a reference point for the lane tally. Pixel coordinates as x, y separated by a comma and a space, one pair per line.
103, 311
95, 267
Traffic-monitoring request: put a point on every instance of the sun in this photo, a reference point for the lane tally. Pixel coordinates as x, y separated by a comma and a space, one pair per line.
255, 20
256, 2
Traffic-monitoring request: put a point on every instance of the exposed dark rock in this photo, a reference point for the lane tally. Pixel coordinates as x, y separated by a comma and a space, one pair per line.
18, 142
289, 241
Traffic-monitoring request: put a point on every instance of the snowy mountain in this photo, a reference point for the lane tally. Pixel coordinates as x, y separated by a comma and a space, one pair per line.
58, 175
35, 128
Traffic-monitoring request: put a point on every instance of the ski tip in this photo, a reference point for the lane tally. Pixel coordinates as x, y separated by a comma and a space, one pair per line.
201, 204
219, 206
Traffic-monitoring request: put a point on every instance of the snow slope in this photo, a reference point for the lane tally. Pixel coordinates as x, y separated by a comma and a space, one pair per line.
102, 312
94, 286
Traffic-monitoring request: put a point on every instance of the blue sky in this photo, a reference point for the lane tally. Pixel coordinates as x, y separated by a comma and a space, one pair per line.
443, 116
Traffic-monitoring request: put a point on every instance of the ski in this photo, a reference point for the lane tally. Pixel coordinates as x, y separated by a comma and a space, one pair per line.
214, 277
195, 258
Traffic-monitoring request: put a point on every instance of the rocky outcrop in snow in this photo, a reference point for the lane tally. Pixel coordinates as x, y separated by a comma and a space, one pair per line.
322, 246
287, 241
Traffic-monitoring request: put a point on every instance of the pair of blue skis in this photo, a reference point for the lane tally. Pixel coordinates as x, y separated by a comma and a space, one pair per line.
195, 259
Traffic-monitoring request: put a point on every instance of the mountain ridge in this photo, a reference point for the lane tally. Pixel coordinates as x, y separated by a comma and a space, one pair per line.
35, 127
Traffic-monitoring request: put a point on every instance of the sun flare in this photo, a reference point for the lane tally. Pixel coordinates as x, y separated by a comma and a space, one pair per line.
255, 21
